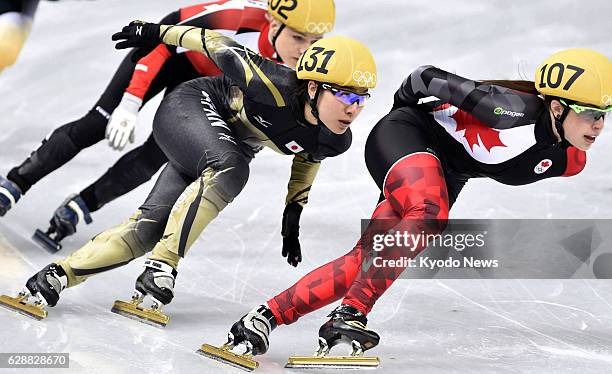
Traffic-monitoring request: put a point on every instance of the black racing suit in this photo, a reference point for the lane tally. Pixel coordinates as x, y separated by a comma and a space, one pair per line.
210, 129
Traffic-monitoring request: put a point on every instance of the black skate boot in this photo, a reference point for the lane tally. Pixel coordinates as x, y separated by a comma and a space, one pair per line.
42, 289
9, 195
157, 281
253, 330
63, 223
347, 325
251, 333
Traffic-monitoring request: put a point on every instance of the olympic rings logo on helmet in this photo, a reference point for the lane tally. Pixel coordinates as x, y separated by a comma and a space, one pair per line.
338, 60
364, 78
319, 28
311, 16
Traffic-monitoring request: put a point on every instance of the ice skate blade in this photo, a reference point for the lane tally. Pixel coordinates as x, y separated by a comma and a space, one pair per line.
18, 304
244, 362
332, 362
45, 241
138, 313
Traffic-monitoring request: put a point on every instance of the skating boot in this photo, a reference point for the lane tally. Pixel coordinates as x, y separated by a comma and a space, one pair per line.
9, 195
157, 280
347, 325
250, 336
42, 289
64, 222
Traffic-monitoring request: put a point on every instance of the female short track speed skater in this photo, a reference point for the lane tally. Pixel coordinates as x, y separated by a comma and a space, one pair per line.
272, 32
210, 129
422, 153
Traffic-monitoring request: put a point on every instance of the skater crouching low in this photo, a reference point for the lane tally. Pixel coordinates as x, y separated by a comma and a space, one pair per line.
210, 129
421, 155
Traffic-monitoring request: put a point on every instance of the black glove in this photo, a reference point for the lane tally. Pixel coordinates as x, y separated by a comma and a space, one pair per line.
138, 34
290, 232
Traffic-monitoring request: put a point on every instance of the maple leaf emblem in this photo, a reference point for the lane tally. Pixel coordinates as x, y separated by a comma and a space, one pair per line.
476, 132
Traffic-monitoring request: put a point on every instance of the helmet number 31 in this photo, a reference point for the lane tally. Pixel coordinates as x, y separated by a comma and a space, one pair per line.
548, 78
317, 59
275, 5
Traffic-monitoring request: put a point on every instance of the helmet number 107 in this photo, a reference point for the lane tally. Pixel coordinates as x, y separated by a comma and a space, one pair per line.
312, 61
560, 68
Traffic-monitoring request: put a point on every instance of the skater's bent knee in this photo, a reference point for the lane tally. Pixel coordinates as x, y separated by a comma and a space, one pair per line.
130, 239
231, 173
88, 130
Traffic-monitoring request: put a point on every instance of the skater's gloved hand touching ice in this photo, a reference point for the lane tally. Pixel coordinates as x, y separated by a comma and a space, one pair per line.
138, 34
123, 121
291, 231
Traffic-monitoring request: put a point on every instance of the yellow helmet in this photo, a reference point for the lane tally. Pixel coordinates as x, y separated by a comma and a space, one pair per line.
309, 16
338, 60
578, 74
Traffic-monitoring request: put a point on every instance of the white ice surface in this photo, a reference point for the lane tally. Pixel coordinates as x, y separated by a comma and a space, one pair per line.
426, 325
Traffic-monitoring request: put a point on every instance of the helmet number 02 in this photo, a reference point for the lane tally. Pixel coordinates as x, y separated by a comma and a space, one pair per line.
275, 4
546, 78
315, 62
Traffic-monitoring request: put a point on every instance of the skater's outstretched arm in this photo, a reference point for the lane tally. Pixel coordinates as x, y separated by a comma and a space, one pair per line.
259, 78
124, 119
497, 107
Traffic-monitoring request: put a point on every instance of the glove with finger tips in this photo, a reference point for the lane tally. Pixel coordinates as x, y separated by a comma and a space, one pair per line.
138, 34
123, 121
291, 231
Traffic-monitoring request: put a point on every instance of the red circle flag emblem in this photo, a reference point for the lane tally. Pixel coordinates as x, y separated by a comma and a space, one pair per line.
294, 147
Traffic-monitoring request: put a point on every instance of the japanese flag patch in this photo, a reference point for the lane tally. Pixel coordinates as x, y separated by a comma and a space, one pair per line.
294, 147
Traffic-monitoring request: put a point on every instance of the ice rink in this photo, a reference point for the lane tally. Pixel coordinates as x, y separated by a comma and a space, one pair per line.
432, 326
